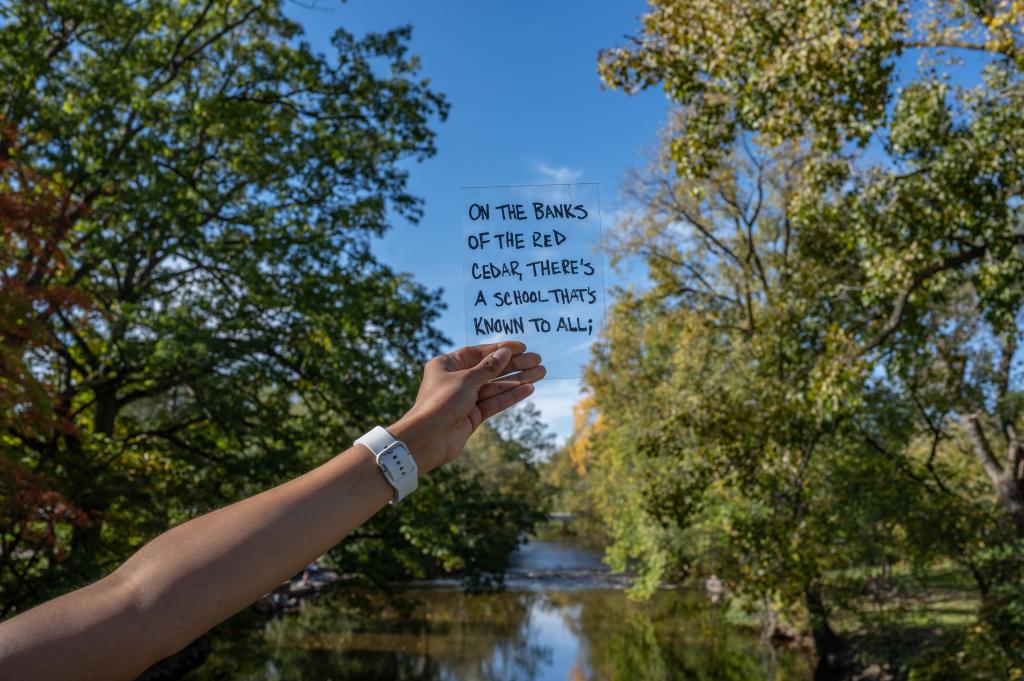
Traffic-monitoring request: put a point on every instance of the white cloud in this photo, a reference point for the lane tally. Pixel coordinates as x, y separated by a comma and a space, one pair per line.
559, 175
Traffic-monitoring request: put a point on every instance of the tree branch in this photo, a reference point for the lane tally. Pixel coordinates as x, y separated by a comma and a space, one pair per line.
900, 304
947, 44
982, 448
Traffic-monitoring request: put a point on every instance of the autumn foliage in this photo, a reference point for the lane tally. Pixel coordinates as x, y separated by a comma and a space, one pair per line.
35, 226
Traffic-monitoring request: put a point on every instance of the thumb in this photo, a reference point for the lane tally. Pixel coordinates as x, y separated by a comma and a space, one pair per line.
491, 366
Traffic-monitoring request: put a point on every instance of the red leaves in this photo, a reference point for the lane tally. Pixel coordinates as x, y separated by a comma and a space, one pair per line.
31, 514
36, 218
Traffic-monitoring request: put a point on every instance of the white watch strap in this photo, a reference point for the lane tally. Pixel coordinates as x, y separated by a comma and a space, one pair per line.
377, 440
394, 459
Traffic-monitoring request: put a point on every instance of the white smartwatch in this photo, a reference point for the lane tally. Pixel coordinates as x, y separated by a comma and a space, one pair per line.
394, 459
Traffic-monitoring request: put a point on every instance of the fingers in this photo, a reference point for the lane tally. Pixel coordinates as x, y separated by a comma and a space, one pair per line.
491, 366
525, 361
471, 355
515, 346
504, 400
509, 382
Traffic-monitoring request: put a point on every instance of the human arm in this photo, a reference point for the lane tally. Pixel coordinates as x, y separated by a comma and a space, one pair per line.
195, 575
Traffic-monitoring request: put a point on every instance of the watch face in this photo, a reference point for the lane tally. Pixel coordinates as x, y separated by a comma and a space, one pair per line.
397, 461
399, 468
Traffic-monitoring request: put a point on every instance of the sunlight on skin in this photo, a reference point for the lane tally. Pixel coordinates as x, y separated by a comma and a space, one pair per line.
198, 574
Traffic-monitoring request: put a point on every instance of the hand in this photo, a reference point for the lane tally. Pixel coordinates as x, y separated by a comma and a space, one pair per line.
461, 389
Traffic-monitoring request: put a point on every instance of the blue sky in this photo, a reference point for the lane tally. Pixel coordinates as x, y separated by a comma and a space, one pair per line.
526, 108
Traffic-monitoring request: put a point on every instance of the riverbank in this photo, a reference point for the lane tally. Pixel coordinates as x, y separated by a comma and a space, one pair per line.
563, 615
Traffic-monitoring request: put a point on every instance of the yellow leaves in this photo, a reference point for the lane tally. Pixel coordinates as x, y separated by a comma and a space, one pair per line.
1003, 24
582, 412
321, 339
586, 422
1006, 13
782, 68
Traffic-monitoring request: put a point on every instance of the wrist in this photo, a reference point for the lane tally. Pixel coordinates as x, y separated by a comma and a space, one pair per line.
419, 438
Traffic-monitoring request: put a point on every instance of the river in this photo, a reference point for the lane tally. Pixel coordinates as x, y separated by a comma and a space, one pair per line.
563, 616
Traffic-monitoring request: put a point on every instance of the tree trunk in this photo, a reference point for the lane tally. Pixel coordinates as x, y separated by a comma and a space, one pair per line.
832, 650
1004, 477
86, 539
1012, 498
106, 408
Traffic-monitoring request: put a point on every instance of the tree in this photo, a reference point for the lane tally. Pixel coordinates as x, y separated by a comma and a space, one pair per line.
35, 518
240, 327
468, 517
566, 473
731, 435
726, 442
893, 271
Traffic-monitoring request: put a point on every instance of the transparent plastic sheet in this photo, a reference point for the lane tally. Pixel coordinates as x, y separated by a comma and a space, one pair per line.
533, 270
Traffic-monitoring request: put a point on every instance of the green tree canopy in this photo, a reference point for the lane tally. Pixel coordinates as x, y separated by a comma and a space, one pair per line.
233, 178
469, 516
34, 232
836, 306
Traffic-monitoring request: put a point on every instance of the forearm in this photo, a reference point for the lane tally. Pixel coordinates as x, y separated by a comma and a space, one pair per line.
198, 574
204, 571
194, 576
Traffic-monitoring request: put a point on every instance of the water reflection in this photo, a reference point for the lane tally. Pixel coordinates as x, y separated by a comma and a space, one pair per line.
533, 632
